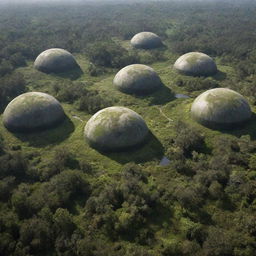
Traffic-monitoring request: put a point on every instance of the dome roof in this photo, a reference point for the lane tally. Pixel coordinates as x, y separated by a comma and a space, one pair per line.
146, 40
115, 128
55, 60
195, 64
220, 108
137, 79
32, 111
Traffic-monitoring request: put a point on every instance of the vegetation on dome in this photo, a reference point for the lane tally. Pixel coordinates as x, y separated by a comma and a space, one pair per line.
195, 64
115, 129
32, 111
55, 60
221, 108
137, 79
146, 40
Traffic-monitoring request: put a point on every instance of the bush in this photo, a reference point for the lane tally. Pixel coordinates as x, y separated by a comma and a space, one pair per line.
93, 102
13, 164
196, 83
6, 186
110, 54
190, 197
69, 92
37, 234
63, 223
5, 67
188, 139
10, 87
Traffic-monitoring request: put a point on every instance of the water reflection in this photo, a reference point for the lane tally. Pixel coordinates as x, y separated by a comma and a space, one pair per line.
181, 96
165, 161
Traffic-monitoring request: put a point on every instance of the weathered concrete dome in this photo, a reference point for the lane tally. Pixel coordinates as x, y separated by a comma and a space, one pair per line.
137, 79
32, 111
195, 64
220, 108
146, 40
115, 128
55, 60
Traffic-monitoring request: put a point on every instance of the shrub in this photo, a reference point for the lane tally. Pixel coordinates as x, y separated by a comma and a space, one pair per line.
110, 54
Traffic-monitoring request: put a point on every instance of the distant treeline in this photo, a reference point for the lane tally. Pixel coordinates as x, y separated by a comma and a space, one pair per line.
218, 29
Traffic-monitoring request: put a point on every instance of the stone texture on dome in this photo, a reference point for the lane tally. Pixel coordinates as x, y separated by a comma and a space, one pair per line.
146, 40
55, 60
137, 79
220, 108
115, 128
195, 64
32, 111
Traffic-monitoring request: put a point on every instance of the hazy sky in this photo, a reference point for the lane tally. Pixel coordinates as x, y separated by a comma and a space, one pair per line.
70, 1
99, 1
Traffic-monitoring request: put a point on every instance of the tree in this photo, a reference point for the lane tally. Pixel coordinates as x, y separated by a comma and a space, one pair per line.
63, 223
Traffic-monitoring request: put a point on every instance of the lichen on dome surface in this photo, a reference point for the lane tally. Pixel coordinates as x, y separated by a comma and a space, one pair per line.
146, 40
115, 128
137, 79
55, 60
195, 64
32, 111
221, 108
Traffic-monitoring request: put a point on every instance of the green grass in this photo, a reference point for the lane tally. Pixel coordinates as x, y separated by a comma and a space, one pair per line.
156, 109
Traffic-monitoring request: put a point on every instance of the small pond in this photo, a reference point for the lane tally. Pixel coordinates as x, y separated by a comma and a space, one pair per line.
181, 96
165, 161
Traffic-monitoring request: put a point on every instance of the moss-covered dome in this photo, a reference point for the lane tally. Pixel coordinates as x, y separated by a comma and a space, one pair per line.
146, 40
55, 60
115, 128
195, 64
32, 111
137, 79
220, 108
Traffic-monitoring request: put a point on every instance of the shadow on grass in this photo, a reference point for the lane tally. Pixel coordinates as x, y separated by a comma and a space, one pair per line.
49, 136
150, 150
247, 128
219, 76
72, 74
238, 130
160, 97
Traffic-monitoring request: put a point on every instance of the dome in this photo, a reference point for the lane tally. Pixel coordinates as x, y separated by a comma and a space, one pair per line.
115, 128
146, 40
55, 60
32, 111
137, 79
195, 64
220, 108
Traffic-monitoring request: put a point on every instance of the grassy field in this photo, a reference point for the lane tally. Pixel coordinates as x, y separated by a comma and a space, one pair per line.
160, 110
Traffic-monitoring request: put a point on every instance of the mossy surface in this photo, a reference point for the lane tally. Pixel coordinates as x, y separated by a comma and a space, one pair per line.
221, 106
195, 64
115, 128
32, 111
137, 79
55, 60
146, 40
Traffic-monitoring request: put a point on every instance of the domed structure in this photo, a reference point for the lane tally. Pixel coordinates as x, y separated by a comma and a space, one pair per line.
146, 40
115, 128
195, 64
32, 111
55, 60
137, 79
220, 108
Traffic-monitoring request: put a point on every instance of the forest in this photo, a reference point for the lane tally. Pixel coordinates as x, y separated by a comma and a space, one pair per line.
60, 197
